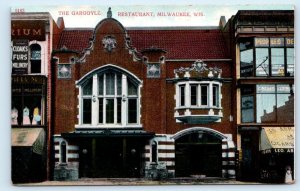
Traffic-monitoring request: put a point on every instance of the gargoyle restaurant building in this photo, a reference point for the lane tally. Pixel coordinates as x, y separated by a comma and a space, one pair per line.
142, 102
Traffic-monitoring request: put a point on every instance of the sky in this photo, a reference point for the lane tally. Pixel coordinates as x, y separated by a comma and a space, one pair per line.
212, 10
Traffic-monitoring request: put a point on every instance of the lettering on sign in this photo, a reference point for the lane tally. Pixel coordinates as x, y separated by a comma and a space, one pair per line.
262, 42
20, 57
276, 41
289, 42
30, 30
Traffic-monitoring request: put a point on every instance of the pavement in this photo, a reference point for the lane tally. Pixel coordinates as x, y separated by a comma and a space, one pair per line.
139, 182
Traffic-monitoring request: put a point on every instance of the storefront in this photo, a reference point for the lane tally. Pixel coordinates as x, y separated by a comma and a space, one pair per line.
277, 154
28, 154
110, 153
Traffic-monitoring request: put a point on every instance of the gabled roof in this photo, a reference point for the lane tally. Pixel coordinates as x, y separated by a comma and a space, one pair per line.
181, 43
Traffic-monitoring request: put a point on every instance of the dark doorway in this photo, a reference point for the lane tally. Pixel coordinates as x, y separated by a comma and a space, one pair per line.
250, 155
198, 153
110, 158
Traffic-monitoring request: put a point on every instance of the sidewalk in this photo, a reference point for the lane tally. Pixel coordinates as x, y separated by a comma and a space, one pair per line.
138, 182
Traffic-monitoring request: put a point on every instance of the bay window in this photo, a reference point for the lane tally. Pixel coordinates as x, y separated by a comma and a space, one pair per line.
109, 99
198, 94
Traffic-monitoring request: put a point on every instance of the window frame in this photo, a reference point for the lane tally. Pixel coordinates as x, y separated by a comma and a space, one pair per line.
255, 94
122, 120
186, 85
269, 46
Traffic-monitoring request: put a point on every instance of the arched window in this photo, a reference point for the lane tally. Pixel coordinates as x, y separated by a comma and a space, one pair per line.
63, 152
35, 58
154, 152
109, 98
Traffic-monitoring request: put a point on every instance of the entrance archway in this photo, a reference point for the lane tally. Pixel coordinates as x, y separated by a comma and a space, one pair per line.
198, 152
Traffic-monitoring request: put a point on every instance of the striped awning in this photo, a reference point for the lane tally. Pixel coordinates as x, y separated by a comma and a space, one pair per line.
29, 137
277, 140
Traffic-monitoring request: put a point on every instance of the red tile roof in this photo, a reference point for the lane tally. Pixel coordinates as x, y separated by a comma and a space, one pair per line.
75, 39
179, 44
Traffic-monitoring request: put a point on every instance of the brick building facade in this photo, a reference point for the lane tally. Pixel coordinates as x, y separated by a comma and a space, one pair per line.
142, 102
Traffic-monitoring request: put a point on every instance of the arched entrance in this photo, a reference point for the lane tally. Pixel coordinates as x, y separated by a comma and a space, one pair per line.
198, 152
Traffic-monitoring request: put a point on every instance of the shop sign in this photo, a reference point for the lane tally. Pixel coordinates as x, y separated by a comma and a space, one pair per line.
261, 42
278, 150
30, 30
289, 42
20, 57
276, 42
29, 80
273, 42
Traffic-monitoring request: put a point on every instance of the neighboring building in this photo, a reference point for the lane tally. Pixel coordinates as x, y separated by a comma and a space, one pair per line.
262, 44
32, 41
142, 102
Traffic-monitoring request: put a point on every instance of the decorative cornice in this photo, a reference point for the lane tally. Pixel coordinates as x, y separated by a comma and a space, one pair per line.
200, 67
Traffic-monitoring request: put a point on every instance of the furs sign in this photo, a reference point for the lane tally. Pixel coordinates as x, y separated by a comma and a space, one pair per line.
20, 57
30, 30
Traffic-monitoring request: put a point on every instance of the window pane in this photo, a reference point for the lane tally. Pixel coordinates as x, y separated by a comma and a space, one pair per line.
119, 84
277, 61
100, 110
132, 89
246, 56
119, 109
132, 110
247, 109
265, 108
63, 149
262, 62
110, 111
204, 94
215, 95
182, 95
154, 152
35, 66
290, 57
87, 111
110, 84
16, 110
100, 84
88, 87
34, 107
194, 95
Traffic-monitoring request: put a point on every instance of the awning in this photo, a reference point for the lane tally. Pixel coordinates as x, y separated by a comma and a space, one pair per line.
28, 137
277, 140
108, 133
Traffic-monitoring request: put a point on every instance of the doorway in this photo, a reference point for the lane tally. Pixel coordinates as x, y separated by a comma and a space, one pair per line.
110, 158
198, 154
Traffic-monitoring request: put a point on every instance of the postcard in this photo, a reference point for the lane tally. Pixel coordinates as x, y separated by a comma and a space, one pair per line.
152, 95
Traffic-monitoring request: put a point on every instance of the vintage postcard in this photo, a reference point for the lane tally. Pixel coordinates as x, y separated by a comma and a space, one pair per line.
147, 95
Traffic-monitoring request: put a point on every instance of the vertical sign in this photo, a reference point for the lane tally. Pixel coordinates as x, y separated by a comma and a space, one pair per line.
20, 57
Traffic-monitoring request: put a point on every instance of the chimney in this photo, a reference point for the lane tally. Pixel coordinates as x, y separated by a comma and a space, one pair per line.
222, 22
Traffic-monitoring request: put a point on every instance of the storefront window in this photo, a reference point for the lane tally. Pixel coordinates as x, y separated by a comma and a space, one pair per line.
277, 57
27, 105
246, 57
262, 62
290, 61
247, 104
272, 56
273, 103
